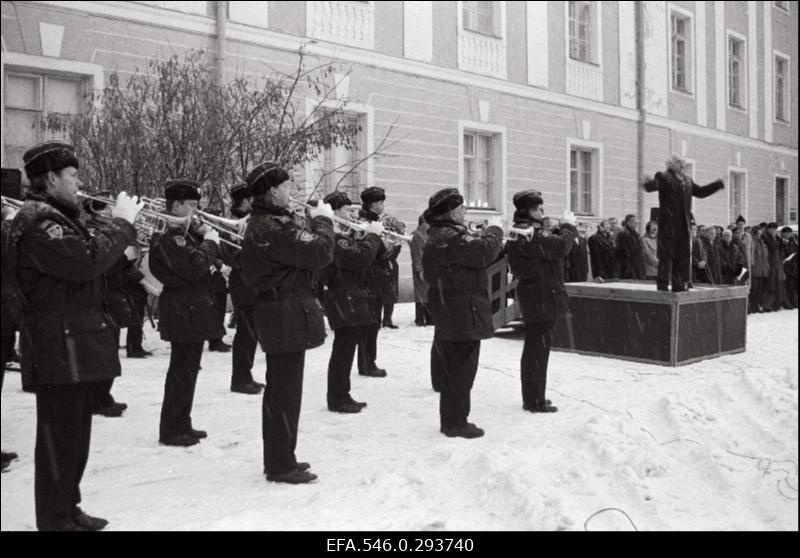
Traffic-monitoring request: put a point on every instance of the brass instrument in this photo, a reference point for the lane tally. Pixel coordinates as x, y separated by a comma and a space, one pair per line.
359, 228
509, 233
233, 229
394, 227
149, 221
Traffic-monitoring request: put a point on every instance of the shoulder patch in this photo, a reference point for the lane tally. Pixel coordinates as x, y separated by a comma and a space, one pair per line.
52, 228
343, 242
305, 236
179, 240
283, 219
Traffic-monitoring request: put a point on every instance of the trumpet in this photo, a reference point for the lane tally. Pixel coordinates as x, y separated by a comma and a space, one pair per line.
231, 228
509, 233
149, 221
355, 225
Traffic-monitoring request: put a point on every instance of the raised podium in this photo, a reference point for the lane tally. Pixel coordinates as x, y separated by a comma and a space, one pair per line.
632, 320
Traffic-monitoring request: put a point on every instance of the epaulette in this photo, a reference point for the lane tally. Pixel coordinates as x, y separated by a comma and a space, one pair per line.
52, 228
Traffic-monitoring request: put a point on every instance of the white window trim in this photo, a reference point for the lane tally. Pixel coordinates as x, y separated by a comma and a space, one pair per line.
692, 35
500, 197
782, 10
597, 30
16, 62
746, 193
787, 102
788, 195
744, 85
498, 22
368, 131
598, 193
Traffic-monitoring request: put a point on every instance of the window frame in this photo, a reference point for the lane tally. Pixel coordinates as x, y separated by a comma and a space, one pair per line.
495, 13
593, 41
781, 6
744, 194
743, 71
499, 171
689, 56
787, 121
786, 219
597, 175
367, 112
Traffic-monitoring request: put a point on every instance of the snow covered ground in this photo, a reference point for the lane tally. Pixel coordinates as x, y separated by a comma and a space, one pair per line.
708, 446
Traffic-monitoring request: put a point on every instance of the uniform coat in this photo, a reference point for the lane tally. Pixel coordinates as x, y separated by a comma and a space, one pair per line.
66, 335
187, 313
577, 261
630, 255
280, 259
601, 251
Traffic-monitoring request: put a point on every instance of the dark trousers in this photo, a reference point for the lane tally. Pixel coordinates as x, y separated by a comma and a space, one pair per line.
756, 296
63, 435
176, 410
220, 305
388, 310
459, 361
368, 344
133, 341
345, 341
102, 390
437, 366
244, 346
280, 411
422, 315
675, 269
533, 365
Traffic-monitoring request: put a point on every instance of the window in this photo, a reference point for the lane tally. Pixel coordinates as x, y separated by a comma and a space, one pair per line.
478, 17
580, 180
781, 88
735, 72
581, 31
736, 200
681, 54
29, 99
478, 170
337, 163
782, 6
781, 199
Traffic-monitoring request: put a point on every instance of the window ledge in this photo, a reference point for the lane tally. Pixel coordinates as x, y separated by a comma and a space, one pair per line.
585, 62
482, 34
682, 92
737, 109
782, 122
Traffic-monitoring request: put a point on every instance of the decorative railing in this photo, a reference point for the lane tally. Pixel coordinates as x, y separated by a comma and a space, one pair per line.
482, 54
584, 80
349, 23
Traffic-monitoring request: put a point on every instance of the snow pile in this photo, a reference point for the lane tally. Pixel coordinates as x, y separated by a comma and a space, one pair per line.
712, 445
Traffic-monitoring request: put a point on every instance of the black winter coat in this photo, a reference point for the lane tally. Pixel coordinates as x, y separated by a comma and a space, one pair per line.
731, 262
538, 264
280, 258
65, 335
630, 255
454, 264
348, 301
577, 263
674, 213
242, 293
186, 308
383, 276
601, 251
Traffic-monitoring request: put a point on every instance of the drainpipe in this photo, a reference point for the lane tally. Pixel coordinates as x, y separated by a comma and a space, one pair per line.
639, 22
222, 17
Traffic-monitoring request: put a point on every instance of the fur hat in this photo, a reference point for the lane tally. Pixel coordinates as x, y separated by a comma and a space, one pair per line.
443, 201
337, 200
372, 195
49, 156
527, 199
182, 189
268, 174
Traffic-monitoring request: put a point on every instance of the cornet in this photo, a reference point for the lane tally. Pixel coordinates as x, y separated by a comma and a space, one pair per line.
509, 233
231, 228
148, 221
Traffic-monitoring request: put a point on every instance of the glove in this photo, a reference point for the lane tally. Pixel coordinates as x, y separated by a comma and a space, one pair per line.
701, 265
569, 218
494, 221
131, 252
127, 207
375, 227
242, 225
322, 210
212, 235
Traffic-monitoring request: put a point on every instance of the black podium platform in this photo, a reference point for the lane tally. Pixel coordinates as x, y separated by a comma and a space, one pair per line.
632, 320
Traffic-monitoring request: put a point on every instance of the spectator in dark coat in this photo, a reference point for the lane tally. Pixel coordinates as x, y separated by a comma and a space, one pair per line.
789, 255
454, 263
699, 263
675, 192
538, 264
577, 261
759, 270
731, 259
601, 251
773, 292
419, 237
711, 251
629, 253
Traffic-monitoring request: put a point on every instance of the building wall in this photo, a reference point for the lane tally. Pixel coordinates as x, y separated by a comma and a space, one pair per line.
431, 102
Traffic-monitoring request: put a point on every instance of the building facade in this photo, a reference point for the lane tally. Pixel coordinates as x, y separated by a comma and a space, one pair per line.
492, 97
